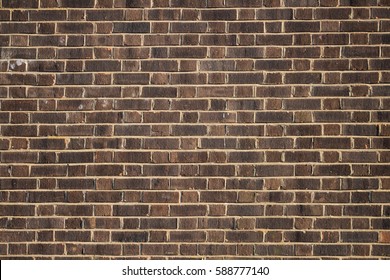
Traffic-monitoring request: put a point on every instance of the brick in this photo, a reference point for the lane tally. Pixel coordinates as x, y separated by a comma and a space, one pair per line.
368, 26
75, 28
218, 14
332, 250
192, 27
21, 4
102, 66
273, 65
167, 249
277, 117
302, 52
334, 170
246, 27
188, 210
240, 78
129, 236
298, 26
131, 27
245, 210
361, 130
104, 170
249, 52
332, 223
303, 130
274, 223
104, 15
360, 237
247, 236
362, 210
360, 52
189, 3
332, 143
14, 27
131, 79
45, 249
274, 250
130, 210
303, 78
299, 236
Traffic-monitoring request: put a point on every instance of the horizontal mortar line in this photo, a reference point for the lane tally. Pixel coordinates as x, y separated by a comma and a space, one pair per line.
156, 111
207, 123
213, 217
208, 230
200, 59
206, 242
176, 46
206, 33
178, 218
145, 7
200, 137
201, 20
197, 150
179, 177
260, 163
205, 110
197, 85
260, 85
169, 46
92, 203
318, 177
175, 190
177, 72
378, 28
227, 20
150, 163
377, 31
342, 32
198, 98
260, 191
214, 123
174, 73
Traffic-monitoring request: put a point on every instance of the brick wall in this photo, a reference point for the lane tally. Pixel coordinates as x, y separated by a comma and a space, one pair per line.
195, 128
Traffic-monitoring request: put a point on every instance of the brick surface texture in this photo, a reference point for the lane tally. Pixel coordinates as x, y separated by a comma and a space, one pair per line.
195, 129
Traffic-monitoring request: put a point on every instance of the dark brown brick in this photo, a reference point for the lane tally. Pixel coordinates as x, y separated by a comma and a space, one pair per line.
75, 28
352, 26
303, 78
130, 210
188, 210
165, 249
274, 223
45, 249
131, 27
332, 250
302, 26
15, 4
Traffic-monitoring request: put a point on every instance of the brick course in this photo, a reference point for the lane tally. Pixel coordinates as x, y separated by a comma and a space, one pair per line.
194, 129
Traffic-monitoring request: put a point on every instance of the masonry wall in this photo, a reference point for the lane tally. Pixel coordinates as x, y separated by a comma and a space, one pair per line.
195, 129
